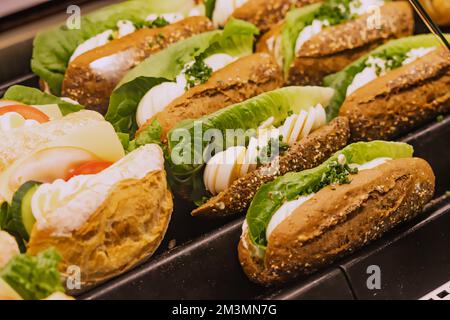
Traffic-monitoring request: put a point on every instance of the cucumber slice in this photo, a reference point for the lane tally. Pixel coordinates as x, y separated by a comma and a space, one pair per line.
22, 215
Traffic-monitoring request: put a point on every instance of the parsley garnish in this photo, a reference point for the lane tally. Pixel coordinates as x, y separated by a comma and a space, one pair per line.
198, 73
393, 61
159, 22
335, 11
273, 148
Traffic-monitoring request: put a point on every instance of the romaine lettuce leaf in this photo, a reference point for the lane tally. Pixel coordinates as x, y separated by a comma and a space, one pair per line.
295, 21
188, 177
272, 195
33, 96
236, 39
341, 80
34, 277
53, 48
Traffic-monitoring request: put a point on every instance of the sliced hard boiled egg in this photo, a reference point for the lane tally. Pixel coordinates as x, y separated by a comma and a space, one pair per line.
218, 61
309, 122
156, 99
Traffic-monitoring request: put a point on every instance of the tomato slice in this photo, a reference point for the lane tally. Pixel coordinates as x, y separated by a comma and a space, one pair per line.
28, 112
90, 167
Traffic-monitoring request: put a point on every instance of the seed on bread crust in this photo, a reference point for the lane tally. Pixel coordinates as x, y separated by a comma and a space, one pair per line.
93, 89
401, 100
336, 221
305, 154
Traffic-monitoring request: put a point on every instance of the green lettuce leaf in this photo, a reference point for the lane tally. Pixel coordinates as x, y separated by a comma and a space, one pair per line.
272, 195
341, 80
209, 8
295, 21
34, 277
236, 39
187, 176
33, 96
52, 49
151, 134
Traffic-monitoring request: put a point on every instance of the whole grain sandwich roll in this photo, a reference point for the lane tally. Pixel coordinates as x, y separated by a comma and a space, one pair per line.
323, 38
351, 199
91, 77
394, 89
250, 143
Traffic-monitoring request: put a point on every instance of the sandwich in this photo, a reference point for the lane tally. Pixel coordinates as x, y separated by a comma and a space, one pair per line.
393, 89
220, 160
262, 13
53, 49
303, 221
323, 38
26, 277
192, 78
69, 184
439, 10
91, 77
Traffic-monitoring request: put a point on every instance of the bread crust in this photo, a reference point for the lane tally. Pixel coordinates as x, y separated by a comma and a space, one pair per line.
124, 231
341, 219
93, 87
239, 81
266, 13
401, 100
336, 47
304, 154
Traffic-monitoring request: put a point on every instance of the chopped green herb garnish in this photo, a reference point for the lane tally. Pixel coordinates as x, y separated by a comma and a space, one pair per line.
440, 118
159, 22
335, 11
198, 73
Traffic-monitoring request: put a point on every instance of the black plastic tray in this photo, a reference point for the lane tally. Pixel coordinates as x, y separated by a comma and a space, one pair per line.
414, 258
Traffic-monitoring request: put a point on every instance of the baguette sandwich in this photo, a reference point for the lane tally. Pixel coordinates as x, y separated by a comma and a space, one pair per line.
306, 220
394, 89
324, 38
250, 143
53, 49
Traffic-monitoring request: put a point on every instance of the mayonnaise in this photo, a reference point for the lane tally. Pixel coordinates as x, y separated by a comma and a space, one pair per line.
224, 9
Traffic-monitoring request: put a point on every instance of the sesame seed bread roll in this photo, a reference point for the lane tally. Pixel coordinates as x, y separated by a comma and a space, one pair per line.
91, 77
401, 100
304, 154
340, 219
241, 80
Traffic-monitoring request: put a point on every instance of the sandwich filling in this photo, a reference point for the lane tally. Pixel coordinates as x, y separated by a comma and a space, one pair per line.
229, 165
378, 65
329, 14
193, 73
64, 206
